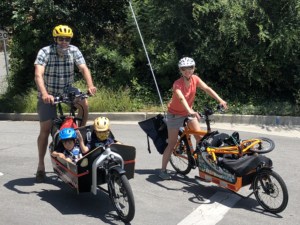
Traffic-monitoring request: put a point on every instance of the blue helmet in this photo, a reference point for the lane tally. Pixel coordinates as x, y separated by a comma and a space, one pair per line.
67, 133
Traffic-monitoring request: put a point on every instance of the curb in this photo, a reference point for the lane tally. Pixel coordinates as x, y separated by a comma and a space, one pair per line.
140, 116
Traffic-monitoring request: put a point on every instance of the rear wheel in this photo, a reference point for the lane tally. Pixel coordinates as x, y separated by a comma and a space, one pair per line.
181, 158
121, 195
270, 191
266, 145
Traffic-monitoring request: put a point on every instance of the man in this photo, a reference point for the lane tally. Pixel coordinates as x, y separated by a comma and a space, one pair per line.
54, 75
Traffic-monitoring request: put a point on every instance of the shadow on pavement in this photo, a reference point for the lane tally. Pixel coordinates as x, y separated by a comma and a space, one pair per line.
203, 191
66, 200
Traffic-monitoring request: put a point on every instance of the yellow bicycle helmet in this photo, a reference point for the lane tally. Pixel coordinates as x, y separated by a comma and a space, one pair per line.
101, 127
62, 31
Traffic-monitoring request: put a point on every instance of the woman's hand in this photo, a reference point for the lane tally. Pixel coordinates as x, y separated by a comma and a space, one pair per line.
224, 104
194, 114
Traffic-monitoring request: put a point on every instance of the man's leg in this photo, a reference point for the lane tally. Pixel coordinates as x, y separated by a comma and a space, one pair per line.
42, 143
83, 111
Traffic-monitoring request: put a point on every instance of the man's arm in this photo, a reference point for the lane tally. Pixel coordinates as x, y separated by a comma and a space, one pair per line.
39, 80
88, 78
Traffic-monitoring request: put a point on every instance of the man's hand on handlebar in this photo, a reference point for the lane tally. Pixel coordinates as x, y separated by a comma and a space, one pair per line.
47, 99
92, 90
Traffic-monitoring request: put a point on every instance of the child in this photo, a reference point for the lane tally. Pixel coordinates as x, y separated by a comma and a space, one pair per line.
101, 135
72, 150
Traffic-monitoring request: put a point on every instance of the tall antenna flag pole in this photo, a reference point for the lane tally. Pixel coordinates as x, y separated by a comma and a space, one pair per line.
138, 28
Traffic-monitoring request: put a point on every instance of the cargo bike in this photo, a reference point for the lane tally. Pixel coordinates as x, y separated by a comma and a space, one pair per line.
105, 165
224, 160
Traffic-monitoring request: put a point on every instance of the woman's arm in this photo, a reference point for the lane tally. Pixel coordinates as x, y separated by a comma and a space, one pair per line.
211, 93
183, 101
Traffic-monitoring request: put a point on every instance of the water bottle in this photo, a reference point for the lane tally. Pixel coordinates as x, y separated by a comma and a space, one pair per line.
76, 155
88, 135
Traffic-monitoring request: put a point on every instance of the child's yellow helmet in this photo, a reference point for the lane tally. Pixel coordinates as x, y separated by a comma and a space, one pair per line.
101, 124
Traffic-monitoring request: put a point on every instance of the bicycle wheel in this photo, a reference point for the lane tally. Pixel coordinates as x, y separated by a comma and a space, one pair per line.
181, 158
121, 195
266, 145
212, 164
270, 191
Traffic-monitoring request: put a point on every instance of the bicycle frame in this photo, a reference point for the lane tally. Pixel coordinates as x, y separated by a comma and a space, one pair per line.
107, 155
187, 133
239, 149
234, 150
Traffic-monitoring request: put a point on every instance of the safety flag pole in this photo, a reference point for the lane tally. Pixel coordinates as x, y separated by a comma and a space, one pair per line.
138, 28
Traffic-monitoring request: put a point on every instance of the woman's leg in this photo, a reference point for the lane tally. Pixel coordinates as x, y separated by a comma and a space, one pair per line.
194, 124
172, 139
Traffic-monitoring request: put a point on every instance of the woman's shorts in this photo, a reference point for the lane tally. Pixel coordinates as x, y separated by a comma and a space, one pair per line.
176, 121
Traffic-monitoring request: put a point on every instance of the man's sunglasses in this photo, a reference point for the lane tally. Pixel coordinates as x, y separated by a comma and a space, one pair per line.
187, 68
63, 39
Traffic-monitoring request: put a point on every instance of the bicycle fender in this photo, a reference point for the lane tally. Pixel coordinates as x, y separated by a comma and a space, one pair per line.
118, 169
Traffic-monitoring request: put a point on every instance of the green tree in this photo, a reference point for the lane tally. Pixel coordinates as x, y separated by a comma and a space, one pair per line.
247, 50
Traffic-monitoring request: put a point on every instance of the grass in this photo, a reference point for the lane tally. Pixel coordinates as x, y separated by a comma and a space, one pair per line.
121, 100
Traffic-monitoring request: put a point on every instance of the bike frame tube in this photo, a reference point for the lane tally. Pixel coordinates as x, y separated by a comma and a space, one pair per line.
231, 149
99, 161
187, 134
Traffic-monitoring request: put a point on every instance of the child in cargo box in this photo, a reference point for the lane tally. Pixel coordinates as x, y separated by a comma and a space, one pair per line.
73, 145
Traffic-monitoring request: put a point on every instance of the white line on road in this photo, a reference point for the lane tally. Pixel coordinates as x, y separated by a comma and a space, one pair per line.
212, 213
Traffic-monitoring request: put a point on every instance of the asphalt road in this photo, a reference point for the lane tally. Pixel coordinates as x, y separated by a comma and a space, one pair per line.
157, 202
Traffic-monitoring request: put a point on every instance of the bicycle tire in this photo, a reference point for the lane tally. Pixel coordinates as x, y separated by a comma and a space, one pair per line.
121, 195
181, 158
266, 145
212, 164
268, 187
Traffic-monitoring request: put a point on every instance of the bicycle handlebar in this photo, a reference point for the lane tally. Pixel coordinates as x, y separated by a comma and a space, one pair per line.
209, 111
70, 98
205, 115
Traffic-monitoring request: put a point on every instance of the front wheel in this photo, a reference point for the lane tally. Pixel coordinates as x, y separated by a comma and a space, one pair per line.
264, 146
270, 191
121, 195
181, 158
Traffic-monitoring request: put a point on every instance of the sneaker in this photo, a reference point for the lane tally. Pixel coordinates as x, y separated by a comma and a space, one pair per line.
40, 176
163, 174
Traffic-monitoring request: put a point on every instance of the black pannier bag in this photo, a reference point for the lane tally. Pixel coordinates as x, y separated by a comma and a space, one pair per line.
156, 129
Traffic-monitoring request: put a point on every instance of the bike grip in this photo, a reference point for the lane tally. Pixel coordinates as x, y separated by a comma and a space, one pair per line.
56, 100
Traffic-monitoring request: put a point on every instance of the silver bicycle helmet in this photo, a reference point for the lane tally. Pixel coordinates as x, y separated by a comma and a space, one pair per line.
186, 62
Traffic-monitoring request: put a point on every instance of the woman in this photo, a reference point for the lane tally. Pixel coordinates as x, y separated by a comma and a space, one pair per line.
181, 107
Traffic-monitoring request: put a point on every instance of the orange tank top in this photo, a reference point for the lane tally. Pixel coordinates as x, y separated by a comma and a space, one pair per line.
175, 106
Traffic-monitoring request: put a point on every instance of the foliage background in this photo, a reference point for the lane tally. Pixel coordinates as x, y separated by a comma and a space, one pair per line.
248, 51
